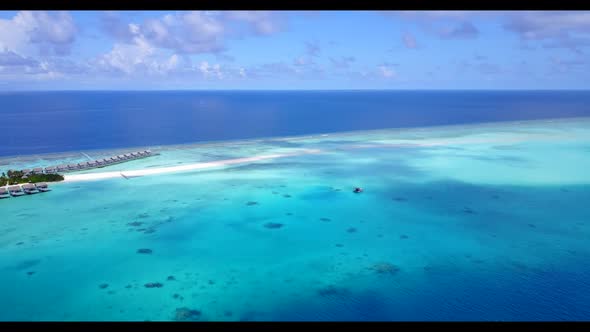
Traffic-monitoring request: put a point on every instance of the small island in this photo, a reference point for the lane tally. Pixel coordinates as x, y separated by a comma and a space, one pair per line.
18, 177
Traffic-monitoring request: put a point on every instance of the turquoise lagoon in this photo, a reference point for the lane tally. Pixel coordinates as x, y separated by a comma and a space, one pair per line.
475, 222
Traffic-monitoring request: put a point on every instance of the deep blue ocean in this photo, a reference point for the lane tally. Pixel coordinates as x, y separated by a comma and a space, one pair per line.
462, 223
44, 122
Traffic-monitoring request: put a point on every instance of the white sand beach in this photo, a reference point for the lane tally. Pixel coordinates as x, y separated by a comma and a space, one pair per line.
173, 169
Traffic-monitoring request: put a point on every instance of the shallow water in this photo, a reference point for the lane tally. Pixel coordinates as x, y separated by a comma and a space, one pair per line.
479, 222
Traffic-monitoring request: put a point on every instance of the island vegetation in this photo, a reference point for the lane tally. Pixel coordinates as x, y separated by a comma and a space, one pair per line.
17, 177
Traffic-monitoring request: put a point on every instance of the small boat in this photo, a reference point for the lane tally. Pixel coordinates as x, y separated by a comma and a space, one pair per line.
357, 190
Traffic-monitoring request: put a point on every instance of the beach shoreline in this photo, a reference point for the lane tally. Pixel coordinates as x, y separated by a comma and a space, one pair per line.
177, 169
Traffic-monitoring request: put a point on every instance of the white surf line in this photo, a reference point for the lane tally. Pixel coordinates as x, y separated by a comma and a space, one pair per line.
450, 141
87, 156
175, 169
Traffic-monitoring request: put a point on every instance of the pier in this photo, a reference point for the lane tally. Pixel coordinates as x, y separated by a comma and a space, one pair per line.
98, 163
82, 166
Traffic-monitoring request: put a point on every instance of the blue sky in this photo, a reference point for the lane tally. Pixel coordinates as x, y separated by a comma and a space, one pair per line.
294, 50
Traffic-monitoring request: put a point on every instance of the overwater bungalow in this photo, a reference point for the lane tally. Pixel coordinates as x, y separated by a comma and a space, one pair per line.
73, 167
135, 154
91, 164
106, 161
50, 170
29, 188
38, 170
4, 193
26, 171
15, 191
128, 156
121, 157
62, 168
42, 186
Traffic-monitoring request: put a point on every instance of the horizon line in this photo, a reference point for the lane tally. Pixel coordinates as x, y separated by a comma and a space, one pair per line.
278, 90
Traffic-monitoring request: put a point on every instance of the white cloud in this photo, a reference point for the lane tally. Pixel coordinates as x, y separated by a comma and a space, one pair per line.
191, 32
209, 71
386, 71
48, 33
127, 58
262, 22
558, 29
409, 40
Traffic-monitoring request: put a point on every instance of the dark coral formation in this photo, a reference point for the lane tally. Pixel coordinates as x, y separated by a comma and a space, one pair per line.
252, 203
143, 215
144, 251
273, 225
135, 223
332, 291
325, 219
186, 314
149, 231
103, 286
177, 296
153, 285
339, 245
351, 230
385, 268
20, 243
468, 210
30, 273
403, 237
400, 199
170, 278
26, 264
286, 196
